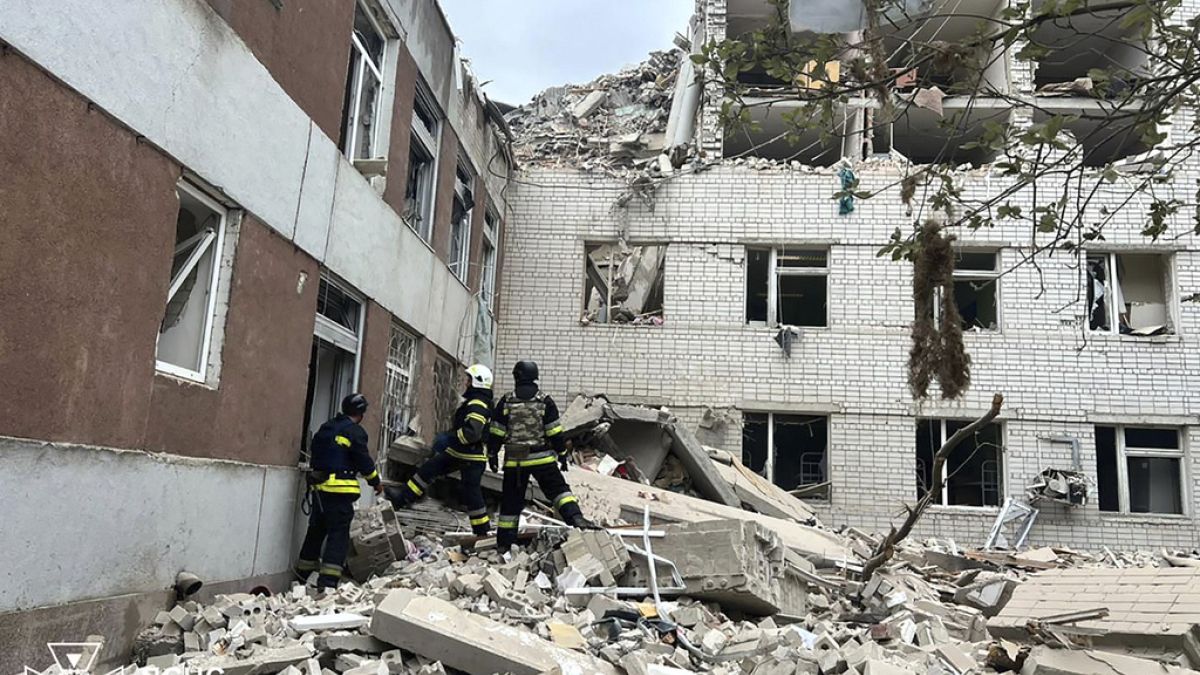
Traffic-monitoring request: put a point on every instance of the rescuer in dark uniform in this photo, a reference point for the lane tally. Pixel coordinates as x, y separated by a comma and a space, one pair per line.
525, 422
460, 449
339, 457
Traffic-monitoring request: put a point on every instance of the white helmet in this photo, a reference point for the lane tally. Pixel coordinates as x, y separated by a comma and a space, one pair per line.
481, 376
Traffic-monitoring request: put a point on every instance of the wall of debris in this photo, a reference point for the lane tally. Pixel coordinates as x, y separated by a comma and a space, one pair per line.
1059, 379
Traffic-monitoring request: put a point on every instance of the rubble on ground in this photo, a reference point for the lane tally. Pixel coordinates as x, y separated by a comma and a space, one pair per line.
617, 121
681, 581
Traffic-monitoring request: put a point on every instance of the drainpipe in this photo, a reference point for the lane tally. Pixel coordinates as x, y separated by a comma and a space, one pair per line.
852, 148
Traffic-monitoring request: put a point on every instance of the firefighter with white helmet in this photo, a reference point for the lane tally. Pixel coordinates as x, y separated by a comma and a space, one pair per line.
461, 449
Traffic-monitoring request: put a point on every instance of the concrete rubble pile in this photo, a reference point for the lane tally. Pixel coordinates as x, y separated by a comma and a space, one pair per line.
695, 586
728, 598
617, 121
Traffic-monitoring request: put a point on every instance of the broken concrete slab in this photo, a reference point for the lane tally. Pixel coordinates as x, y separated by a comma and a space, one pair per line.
604, 495
700, 468
989, 595
761, 494
262, 661
741, 565
438, 630
1156, 610
1044, 660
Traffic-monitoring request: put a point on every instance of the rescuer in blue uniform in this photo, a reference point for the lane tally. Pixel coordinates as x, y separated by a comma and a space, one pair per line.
339, 457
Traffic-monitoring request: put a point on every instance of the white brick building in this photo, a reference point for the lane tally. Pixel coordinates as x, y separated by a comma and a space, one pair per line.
847, 380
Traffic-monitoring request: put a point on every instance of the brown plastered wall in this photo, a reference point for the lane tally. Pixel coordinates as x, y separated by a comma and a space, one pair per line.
478, 217
444, 207
425, 394
305, 45
88, 220
373, 369
88, 214
401, 137
256, 413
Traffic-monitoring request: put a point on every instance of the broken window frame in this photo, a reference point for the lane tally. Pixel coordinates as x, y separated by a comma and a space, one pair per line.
445, 391
589, 282
487, 281
334, 332
970, 275
212, 239
426, 145
1112, 310
775, 271
459, 257
399, 384
769, 462
362, 68
1124, 452
943, 498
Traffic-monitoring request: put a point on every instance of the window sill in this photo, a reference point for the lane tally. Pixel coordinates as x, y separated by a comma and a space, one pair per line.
764, 327
1173, 338
170, 372
1142, 518
624, 325
954, 509
418, 233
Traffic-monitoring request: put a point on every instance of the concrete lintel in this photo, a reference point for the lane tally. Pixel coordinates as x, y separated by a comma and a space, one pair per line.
789, 407
1149, 420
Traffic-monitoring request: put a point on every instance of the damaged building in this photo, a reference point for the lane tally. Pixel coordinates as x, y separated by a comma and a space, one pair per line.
241, 211
781, 337
224, 219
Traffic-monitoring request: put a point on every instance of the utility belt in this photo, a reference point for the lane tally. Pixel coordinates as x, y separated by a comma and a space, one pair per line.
338, 482
528, 456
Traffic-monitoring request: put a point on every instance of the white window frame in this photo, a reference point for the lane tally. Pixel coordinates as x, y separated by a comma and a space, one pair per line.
490, 253
992, 275
394, 372
1112, 309
774, 272
769, 462
945, 491
1124, 452
204, 242
338, 335
460, 230
429, 141
365, 63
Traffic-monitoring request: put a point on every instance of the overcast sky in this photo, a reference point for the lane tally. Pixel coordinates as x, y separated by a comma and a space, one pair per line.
525, 46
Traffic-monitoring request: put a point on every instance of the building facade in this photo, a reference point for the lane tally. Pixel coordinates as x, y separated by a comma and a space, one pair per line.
775, 328
220, 218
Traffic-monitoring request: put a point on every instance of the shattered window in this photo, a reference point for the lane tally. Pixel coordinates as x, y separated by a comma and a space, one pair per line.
624, 283
446, 394
1128, 293
487, 285
185, 334
335, 304
974, 471
788, 450
398, 385
364, 82
1139, 469
787, 286
422, 162
460, 221
976, 280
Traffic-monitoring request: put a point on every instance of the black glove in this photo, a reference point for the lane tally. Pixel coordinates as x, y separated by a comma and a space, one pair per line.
564, 460
494, 462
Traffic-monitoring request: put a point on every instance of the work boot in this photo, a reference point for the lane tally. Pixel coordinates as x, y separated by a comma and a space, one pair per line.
303, 570
582, 523
398, 496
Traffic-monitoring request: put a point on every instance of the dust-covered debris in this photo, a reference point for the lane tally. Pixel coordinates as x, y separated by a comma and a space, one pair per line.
617, 121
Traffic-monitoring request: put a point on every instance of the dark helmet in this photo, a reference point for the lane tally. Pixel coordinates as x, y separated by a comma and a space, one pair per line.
525, 371
354, 404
